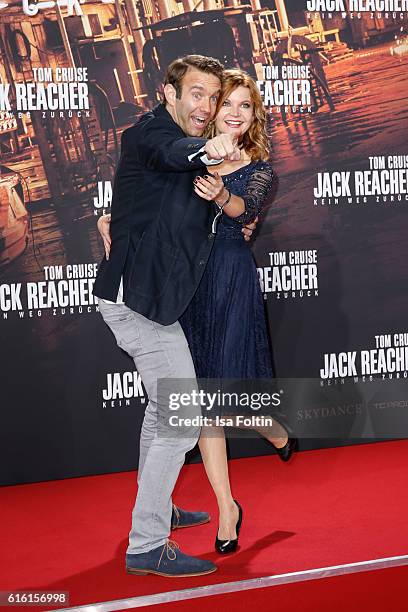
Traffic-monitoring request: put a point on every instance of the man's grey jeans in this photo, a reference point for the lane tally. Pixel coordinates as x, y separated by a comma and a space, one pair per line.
158, 352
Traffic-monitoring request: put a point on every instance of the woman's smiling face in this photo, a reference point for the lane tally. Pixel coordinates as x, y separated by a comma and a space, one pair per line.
236, 113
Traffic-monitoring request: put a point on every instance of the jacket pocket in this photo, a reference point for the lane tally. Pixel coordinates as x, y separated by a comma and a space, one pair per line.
152, 265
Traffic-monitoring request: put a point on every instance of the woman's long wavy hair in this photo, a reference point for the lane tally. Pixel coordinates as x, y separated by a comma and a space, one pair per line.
254, 141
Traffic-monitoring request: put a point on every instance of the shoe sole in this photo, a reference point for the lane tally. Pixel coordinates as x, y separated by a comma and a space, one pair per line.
145, 572
192, 524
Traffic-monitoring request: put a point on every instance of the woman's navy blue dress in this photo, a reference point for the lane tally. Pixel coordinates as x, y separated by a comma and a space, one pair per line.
225, 323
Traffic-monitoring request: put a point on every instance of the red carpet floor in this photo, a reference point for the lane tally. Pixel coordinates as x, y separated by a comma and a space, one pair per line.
376, 591
325, 508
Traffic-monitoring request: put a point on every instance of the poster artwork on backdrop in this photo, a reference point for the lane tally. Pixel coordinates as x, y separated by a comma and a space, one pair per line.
387, 360
384, 181
64, 290
291, 274
75, 75
121, 388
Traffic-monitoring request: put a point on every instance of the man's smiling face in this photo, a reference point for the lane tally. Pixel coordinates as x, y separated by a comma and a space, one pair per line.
197, 103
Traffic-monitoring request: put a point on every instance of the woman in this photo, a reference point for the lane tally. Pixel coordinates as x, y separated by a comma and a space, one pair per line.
225, 323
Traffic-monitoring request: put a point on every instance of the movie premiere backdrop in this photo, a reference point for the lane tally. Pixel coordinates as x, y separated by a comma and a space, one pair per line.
331, 247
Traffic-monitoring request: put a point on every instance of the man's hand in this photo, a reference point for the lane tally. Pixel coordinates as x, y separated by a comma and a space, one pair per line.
223, 146
104, 230
248, 229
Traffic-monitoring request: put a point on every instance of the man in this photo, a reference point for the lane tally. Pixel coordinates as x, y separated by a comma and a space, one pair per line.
161, 239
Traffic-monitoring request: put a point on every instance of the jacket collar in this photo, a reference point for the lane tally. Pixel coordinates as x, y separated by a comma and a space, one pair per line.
160, 111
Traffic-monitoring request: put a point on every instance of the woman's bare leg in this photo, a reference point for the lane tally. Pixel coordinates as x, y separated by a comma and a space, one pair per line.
213, 450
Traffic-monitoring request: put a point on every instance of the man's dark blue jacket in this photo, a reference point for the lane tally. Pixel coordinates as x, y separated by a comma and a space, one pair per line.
160, 230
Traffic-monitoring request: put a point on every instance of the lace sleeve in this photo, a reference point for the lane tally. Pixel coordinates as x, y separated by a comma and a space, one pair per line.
258, 186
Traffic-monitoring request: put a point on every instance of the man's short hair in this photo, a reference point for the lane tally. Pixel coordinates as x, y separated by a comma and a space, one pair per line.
178, 68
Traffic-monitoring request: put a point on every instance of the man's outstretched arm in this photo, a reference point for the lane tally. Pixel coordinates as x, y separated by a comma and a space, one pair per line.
157, 148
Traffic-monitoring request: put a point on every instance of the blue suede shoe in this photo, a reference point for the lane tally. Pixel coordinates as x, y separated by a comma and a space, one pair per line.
168, 560
182, 518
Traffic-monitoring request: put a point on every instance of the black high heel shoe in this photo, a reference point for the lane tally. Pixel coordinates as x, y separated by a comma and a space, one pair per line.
229, 546
287, 451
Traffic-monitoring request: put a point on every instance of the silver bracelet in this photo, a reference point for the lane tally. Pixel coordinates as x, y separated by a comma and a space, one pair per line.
221, 206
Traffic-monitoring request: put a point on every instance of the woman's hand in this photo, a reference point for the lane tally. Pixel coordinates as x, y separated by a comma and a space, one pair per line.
210, 188
248, 229
104, 230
